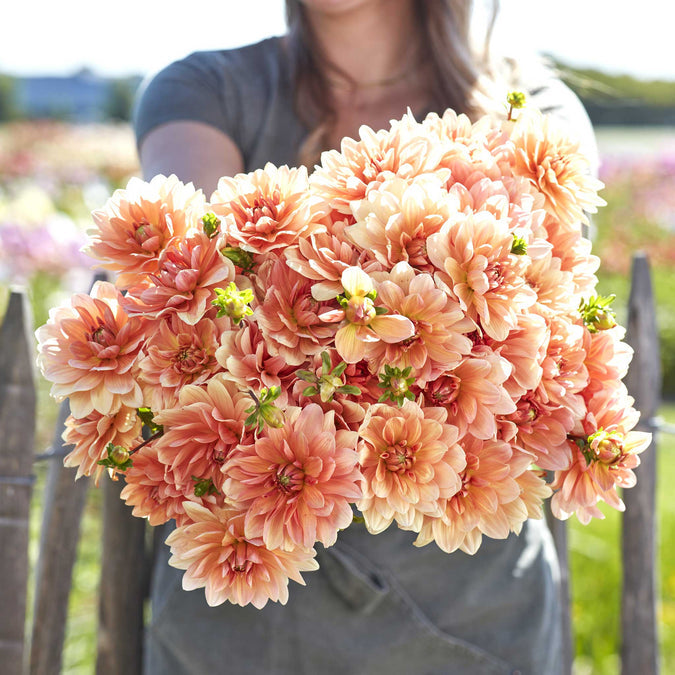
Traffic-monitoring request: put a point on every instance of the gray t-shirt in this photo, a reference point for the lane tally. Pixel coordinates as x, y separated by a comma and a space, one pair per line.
377, 604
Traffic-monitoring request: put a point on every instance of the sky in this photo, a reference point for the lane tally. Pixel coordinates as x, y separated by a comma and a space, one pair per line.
137, 37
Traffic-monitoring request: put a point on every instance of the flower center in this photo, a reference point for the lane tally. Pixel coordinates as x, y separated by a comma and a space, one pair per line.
102, 336
399, 457
289, 479
360, 310
444, 390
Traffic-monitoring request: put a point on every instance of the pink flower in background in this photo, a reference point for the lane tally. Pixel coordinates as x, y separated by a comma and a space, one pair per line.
202, 430
268, 209
187, 273
289, 317
410, 460
553, 164
296, 482
136, 225
88, 350
216, 555
91, 435
177, 354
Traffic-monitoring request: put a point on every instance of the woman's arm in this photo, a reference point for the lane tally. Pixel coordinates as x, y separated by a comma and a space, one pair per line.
196, 152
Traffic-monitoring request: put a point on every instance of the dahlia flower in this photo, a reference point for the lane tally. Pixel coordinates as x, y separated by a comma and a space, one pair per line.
296, 482
268, 209
137, 223
92, 435
362, 324
551, 161
88, 351
188, 271
216, 555
410, 460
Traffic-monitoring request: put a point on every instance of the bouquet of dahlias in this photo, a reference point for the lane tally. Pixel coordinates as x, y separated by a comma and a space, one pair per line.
410, 335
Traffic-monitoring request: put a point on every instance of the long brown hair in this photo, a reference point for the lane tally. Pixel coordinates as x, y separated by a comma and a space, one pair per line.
458, 71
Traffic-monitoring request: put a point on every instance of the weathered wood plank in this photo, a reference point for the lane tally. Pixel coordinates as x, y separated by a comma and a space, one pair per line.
123, 587
639, 648
17, 430
64, 502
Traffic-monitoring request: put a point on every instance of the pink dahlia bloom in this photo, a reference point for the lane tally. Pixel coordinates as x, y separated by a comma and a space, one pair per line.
410, 461
91, 437
404, 150
555, 166
268, 209
244, 355
473, 393
361, 325
88, 351
217, 556
604, 456
177, 354
324, 257
607, 357
473, 255
188, 272
137, 223
555, 288
290, 318
488, 484
201, 431
296, 482
439, 341
394, 221
153, 493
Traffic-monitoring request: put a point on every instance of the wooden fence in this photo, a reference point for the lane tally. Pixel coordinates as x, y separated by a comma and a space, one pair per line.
39, 652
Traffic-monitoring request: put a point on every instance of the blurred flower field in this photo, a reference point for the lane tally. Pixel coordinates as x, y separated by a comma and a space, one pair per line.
52, 175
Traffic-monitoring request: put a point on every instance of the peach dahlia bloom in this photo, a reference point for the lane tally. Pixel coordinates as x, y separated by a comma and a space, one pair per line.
474, 259
410, 460
187, 273
92, 434
361, 325
177, 354
201, 431
88, 351
552, 162
137, 223
296, 482
268, 209
439, 341
216, 555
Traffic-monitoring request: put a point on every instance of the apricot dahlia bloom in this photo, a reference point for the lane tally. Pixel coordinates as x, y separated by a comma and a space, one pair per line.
201, 431
268, 209
217, 556
607, 357
188, 271
91, 437
244, 355
553, 164
88, 351
296, 482
410, 460
289, 316
394, 221
473, 255
177, 354
153, 493
488, 484
400, 151
361, 324
137, 223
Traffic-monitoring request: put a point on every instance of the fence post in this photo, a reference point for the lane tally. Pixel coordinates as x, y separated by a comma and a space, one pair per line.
62, 514
17, 431
639, 645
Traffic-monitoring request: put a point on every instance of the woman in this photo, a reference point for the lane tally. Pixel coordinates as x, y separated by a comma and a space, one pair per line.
377, 604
